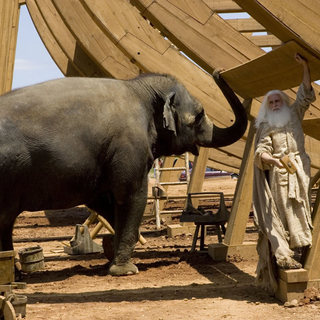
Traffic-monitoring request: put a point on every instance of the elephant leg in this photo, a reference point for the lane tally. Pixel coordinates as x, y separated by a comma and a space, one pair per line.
104, 206
127, 222
6, 242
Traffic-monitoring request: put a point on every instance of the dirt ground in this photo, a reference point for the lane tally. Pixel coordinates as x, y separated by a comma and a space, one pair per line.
172, 283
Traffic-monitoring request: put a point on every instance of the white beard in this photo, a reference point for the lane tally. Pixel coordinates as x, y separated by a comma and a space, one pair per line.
278, 118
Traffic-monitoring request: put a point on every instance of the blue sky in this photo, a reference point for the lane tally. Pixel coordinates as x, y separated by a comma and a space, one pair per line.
33, 63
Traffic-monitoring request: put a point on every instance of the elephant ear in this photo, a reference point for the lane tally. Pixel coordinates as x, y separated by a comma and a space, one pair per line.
168, 117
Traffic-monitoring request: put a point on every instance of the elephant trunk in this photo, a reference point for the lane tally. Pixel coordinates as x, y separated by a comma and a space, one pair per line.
225, 136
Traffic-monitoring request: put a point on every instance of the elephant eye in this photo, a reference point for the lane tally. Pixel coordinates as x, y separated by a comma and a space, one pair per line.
199, 116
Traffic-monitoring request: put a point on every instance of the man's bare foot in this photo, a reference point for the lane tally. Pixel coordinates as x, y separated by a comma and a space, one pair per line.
288, 263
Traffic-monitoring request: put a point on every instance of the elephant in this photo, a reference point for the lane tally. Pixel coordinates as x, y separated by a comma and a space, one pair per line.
92, 141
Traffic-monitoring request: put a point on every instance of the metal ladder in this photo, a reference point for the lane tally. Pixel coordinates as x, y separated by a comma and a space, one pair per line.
158, 193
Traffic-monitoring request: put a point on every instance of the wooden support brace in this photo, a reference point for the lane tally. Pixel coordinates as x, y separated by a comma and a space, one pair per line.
198, 172
312, 261
7, 309
96, 230
243, 195
291, 284
241, 205
103, 223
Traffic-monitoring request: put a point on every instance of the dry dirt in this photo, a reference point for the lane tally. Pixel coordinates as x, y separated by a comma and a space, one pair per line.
172, 283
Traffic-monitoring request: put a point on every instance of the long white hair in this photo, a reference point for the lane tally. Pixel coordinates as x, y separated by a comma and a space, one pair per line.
264, 109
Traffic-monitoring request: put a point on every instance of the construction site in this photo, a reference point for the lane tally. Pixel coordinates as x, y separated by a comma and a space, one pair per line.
196, 269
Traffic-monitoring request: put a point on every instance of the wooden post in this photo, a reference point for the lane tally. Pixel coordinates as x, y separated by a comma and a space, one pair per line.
9, 20
198, 172
243, 195
292, 283
313, 256
236, 228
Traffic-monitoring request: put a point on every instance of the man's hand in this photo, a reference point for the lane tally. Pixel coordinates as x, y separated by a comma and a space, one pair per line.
306, 72
267, 158
300, 59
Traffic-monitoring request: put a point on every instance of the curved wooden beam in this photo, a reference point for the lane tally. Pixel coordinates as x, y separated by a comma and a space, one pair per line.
9, 18
67, 41
64, 64
198, 31
96, 43
137, 38
295, 20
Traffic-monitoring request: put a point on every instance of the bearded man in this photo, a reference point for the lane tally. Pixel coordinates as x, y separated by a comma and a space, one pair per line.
281, 200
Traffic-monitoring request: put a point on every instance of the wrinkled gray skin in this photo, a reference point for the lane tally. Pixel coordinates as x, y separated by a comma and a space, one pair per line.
93, 141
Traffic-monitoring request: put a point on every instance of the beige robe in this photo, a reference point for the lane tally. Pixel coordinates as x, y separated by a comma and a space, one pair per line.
282, 206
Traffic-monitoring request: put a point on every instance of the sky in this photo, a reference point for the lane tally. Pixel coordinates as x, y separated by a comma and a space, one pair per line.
33, 63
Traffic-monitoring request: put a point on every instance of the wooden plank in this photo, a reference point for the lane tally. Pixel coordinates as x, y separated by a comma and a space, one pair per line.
9, 15
301, 18
118, 17
313, 257
276, 69
264, 40
225, 158
258, 12
198, 172
168, 176
57, 54
295, 20
290, 291
223, 6
313, 149
203, 43
221, 161
100, 48
293, 275
222, 166
193, 8
6, 267
12, 46
243, 195
311, 127
246, 25
66, 41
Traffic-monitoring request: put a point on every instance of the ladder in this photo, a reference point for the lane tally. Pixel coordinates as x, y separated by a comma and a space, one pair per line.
158, 191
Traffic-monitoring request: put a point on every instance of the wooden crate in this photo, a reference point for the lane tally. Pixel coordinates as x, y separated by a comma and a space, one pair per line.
7, 267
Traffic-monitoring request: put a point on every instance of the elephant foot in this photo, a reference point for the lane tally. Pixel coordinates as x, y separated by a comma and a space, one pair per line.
123, 269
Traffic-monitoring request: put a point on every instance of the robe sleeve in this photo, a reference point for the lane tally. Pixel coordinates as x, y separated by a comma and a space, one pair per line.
264, 144
304, 98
